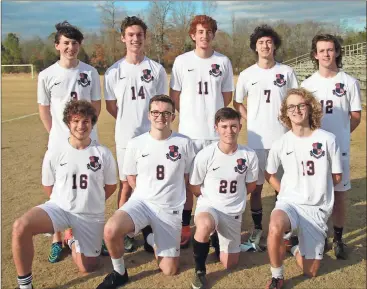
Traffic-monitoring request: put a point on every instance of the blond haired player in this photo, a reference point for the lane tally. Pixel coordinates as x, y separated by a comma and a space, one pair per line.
201, 83
157, 164
311, 161
222, 176
264, 84
67, 79
340, 98
78, 179
129, 85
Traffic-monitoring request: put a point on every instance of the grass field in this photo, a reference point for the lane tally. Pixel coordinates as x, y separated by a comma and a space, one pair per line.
23, 146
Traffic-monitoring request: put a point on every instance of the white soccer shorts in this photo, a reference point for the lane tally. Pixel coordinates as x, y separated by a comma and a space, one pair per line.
120, 154
262, 155
166, 225
228, 228
309, 226
345, 184
88, 233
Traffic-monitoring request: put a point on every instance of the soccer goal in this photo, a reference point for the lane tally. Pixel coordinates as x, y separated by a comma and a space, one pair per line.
30, 65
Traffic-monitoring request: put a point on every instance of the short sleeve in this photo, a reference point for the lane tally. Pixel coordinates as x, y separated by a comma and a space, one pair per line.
227, 83
355, 97
199, 169
130, 164
273, 161
253, 169
109, 171
335, 157
241, 89
162, 86
293, 80
43, 94
190, 156
96, 86
176, 76
48, 172
108, 87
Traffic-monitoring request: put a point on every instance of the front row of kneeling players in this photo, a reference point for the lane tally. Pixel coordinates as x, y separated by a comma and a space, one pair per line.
159, 165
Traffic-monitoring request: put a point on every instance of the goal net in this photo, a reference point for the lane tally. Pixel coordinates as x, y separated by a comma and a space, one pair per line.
20, 65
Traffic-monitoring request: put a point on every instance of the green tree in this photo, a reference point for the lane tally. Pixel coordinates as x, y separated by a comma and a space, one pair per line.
11, 54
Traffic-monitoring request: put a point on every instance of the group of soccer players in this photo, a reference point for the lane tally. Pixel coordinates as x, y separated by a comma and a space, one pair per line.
160, 170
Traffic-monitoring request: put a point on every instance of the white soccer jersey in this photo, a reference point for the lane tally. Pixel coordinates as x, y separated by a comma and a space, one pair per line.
308, 163
132, 86
159, 166
57, 86
338, 95
223, 177
201, 82
265, 89
78, 178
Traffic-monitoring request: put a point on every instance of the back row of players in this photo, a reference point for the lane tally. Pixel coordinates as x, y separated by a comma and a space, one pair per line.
201, 85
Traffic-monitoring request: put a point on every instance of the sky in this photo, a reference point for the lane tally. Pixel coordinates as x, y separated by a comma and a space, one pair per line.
31, 18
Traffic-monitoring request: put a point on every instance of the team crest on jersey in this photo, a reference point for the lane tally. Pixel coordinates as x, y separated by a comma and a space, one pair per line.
94, 163
241, 166
173, 154
215, 71
279, 80
83, 81
339, 89
147, 76
317, 150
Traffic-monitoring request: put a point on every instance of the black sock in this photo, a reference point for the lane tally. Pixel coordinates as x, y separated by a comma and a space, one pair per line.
257, 216
25, 280
186, 217
201, 251
338, 234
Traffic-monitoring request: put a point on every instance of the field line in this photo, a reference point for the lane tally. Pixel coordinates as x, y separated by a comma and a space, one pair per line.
20, 117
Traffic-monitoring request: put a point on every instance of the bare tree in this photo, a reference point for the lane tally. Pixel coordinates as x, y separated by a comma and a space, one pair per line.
209, 7
158, 22
111, 17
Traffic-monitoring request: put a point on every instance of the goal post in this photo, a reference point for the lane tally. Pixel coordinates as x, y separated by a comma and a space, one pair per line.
31, 65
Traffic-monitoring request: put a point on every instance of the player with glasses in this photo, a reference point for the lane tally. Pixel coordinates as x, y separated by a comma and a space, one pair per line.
292, 107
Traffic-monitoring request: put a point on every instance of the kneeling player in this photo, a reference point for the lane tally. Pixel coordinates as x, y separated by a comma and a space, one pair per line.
223, 174
311, 161
156, 164
78, 179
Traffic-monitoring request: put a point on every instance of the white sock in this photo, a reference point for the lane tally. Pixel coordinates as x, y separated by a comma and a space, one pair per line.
28, 286
119, 265
70, 243
150, 239
295, 250
277, 272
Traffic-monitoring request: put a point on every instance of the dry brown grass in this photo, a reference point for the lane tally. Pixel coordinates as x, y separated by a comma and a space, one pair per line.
23, 146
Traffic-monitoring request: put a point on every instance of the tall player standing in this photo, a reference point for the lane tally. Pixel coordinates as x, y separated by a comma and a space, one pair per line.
67, 79
157, 164
129, 85
312, 166
201, 83
265, 84
222, 176
78, 178
340, 98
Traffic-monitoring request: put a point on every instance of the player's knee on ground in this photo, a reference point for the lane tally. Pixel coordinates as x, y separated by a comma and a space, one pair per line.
168, 266
229, 261
310, 267
86, 265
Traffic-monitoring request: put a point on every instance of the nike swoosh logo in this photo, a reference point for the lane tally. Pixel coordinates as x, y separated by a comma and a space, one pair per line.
57, 83
214, 169
144, 155
190, 70
254, 83
345, 184
289, 153
63, 164
122, 77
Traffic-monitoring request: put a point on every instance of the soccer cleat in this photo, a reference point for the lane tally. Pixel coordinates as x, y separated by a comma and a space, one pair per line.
255, 236
199, 281
55, 252
339, 250
114, 280
214, 242
129, 244
185, 237
146, 231
104, 249
68, 234
275, 283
